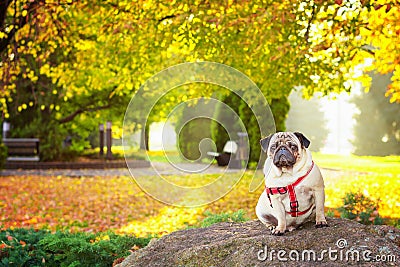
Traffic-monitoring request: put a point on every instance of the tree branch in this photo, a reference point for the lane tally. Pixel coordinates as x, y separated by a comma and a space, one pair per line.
80, 111
166, 17
309, 24
89, 108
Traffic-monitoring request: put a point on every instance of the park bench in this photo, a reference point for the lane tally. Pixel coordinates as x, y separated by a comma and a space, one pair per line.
233, 153
22, 149
223, 158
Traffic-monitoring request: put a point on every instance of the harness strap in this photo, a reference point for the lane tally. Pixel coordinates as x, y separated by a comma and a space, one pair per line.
297, 214
304, 176
294, 204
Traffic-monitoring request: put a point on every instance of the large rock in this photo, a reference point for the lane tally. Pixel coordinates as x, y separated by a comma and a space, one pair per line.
345, 242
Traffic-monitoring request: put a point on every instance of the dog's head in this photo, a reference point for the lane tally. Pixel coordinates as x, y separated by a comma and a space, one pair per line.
284, 148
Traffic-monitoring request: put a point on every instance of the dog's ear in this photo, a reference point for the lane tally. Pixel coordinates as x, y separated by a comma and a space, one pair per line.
265, 143
303, 140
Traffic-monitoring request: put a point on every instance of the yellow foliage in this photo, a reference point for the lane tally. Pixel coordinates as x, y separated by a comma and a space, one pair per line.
167, 220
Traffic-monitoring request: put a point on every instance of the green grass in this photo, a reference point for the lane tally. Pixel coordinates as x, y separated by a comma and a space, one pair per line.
377, 178
155, 156
117, 151
213, 218
166, 156
161, 156
389, 164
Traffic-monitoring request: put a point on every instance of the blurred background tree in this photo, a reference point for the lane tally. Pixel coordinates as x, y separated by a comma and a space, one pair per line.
306, 116
377, 128
220, 135
191, 130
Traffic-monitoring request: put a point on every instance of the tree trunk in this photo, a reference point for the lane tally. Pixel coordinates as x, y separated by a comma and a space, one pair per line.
144, 138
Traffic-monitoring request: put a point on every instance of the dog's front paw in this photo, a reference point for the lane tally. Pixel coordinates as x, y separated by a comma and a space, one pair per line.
321, 224
278, 231
271, 227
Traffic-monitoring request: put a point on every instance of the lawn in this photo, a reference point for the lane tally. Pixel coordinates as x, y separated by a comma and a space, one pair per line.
117, 203
375, 177
389, 164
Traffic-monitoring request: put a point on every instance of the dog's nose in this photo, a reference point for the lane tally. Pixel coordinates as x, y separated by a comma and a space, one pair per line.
282, 148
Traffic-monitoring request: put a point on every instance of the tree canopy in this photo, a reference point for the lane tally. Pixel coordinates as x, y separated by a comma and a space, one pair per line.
94, 46
68, 58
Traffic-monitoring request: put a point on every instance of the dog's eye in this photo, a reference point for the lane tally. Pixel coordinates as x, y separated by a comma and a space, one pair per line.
293, 147
273, 147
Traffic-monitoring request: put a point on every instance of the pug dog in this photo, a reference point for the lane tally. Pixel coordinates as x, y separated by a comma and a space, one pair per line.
294, 187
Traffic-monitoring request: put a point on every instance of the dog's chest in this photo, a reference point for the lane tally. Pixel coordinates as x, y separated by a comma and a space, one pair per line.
302, 202
302, 193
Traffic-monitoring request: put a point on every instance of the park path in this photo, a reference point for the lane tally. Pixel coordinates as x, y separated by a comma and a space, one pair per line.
156, 168
161, 168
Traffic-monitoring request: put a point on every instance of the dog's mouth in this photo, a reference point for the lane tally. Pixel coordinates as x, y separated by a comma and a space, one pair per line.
283, 158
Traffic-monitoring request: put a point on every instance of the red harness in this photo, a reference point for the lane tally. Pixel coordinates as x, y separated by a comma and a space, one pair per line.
294, 204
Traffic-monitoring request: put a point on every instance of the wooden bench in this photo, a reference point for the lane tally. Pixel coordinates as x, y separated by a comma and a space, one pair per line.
22, 149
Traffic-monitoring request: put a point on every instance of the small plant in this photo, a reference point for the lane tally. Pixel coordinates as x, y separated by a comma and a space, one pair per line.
28, 247
397, 223
238, 216
357, 206
330, 213
82, 249
20, 247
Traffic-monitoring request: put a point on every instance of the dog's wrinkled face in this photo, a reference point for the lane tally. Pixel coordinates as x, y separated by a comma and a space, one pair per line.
284, 148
